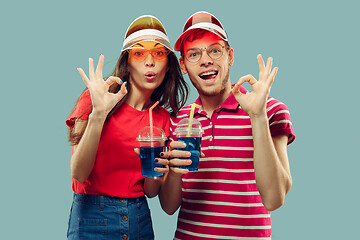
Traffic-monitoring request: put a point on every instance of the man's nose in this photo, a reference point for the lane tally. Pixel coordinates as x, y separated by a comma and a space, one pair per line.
205, 60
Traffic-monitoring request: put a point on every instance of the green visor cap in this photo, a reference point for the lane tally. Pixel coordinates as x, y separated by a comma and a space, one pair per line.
146, 28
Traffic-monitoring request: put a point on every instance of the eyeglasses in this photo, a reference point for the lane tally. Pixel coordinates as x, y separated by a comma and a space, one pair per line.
214, 51
140, 54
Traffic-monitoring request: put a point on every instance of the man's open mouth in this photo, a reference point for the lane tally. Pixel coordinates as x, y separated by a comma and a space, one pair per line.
208, 75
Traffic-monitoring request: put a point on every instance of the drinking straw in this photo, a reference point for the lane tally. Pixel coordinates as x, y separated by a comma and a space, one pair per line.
151, 122
192, 110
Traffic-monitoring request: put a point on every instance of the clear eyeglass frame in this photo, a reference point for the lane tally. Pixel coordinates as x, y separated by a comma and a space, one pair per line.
189, 54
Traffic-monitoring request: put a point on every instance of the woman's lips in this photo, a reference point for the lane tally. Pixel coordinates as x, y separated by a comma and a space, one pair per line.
150, 75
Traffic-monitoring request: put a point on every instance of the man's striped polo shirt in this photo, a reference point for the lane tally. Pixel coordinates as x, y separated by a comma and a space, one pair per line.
221, 200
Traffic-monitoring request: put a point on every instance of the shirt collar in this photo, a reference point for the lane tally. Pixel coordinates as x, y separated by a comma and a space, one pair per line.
230, 103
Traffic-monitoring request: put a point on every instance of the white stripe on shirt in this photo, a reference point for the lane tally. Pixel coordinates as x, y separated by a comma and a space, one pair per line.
227, 159
207, 127
234, 117
281, 121
233, 137
274, 105
221, 192
218, 237
219, 181
225, 170
215, 214
217, 203
232, 126
228, 148
223, 225
279, 112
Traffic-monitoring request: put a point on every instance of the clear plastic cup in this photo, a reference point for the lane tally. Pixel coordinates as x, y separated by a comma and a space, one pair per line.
150, 148
192, 140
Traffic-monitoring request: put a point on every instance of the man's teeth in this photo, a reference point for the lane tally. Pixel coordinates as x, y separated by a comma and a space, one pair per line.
207, 74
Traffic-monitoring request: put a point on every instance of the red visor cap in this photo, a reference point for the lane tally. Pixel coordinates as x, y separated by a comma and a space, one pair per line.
201, 20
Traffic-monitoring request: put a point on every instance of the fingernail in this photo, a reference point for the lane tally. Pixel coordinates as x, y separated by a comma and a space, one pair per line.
126, 84
156, 160
161, 154
155, 169
121, 81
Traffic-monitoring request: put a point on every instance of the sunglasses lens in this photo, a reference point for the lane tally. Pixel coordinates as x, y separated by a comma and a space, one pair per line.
140, 54
159, 53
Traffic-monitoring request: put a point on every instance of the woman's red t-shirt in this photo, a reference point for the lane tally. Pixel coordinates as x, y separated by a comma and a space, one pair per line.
117, 169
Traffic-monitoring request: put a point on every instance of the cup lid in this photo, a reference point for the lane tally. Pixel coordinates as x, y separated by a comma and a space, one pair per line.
183, 125
145, 134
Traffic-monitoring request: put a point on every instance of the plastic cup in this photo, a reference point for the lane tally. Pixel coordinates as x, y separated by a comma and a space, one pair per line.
150, 148
192, 140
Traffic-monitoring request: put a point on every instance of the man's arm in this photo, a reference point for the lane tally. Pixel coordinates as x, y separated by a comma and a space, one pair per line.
170, 192
271, 164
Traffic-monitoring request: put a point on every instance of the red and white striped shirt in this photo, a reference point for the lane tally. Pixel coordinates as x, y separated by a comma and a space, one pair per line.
221, 200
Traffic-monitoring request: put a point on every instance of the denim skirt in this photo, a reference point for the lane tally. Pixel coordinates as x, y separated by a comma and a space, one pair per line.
103, 217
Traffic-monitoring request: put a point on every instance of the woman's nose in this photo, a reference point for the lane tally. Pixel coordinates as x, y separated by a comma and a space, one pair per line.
149, 61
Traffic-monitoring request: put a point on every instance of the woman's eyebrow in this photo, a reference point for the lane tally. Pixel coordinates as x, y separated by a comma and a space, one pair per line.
139, 45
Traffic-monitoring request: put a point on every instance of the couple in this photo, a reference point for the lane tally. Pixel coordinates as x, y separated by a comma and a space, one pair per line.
244, 169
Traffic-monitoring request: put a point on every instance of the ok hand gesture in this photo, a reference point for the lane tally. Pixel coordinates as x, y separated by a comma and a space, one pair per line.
103, 101
254, 102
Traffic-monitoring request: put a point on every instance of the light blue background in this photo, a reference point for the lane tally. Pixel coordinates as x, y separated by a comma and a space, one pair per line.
315, 44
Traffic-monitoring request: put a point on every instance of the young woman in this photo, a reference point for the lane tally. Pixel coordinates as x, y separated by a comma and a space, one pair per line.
109, 190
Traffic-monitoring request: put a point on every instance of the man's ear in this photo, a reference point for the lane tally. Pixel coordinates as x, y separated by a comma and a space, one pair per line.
182, 65
231, 56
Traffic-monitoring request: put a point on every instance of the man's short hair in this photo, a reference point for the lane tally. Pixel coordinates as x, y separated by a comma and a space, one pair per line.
197, 34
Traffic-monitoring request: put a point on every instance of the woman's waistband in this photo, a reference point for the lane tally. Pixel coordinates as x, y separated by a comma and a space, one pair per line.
95, 199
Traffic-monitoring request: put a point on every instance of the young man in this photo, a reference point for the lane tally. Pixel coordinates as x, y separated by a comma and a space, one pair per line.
244, 172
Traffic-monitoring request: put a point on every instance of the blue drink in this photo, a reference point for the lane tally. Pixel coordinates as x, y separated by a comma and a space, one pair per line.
193, 146
147, 156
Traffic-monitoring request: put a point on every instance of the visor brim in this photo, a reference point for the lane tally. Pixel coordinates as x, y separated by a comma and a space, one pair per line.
161, 41
179, 41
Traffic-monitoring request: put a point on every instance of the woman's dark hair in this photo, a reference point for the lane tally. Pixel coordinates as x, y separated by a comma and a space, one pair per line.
171, 94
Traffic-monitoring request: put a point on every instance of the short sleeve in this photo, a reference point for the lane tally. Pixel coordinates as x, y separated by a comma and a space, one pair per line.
279, 119
172, 128
165, 118
82, 110
167, 126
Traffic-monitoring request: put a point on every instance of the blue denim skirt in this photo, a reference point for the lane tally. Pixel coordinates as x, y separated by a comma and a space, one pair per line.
103, 217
